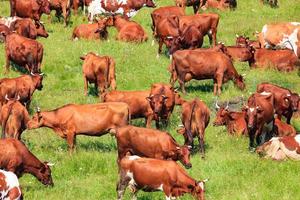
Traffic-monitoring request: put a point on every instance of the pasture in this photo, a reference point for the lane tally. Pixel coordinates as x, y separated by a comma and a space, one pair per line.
91, 172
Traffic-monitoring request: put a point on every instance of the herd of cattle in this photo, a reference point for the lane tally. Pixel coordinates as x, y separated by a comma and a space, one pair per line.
141, 149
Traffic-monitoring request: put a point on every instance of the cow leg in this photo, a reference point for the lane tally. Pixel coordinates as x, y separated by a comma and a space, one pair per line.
289, 117
71, 139
219, 83
251, 139
196, 8
160, 43
201, 145
7, 63
122, 184
85, 85
148, 120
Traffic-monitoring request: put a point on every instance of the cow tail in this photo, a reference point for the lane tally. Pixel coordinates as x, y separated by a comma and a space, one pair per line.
5, 119
188, 128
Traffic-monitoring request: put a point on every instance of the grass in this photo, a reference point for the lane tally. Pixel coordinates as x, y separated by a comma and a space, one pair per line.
91, 172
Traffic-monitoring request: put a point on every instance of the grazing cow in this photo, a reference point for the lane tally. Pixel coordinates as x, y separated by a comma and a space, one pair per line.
139, 107
206, 22
90, 119
162, 101
25, 52
166, 176
286, 102
14, 118
195, 116
151, 143
129, 31
99, 70
29, 8
260, 117
15, 157
195, 3
23, 86
234, 121
284, 129
61, 7
282, 60
91, 31
282, 36
9, 186
195, 64
127, 8
238, 53
281, 148
244, 41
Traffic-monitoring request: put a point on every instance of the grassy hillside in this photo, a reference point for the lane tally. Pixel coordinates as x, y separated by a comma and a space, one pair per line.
91, 172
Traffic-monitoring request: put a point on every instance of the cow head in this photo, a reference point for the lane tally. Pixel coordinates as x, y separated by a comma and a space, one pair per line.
178, 99
241, 40
150, 3
253, 115
221, 115
183, 155
157, 103
36, 121
294, 101
239, 81
197, 189
38, 80
40, 29
102, 24
44, 174
44, 6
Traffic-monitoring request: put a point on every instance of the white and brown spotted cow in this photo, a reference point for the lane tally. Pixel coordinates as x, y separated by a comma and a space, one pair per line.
128, 8
281, 36
280, 148
9, 186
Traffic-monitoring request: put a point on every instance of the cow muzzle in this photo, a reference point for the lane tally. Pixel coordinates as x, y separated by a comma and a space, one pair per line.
188, 165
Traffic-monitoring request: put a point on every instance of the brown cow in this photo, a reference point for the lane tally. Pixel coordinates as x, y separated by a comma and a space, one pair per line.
9, 186
90, 119
195, 64
25, 52
238, 53
166, 176
244, 41
99, 70
129, 31
286, 102
91, 31
5, 30
234, 121
29, 8
282, 60
195, 116
284, 129
61, 7
23, 86
150, 143
162, 101
80, 3
195, 3
260, 118
15, 157
14, 118
139, 106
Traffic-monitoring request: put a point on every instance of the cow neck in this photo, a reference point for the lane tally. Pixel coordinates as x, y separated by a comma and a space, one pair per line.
32, 165
50, 119
119, 23
35, 82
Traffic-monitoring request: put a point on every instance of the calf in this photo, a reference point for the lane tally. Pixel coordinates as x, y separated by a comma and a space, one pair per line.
280, 148
195, 3
15, 157
9, 186
166, 176
90, 119
25, 52
139, 107
162, 102
61, 7
284, 129
195, 116
238, 53
23, 86
129, 31
99, 70
285, 101
197, 64
234, 121
151, 143
282, 60
29, 8
91, 31
14, 118
260, 118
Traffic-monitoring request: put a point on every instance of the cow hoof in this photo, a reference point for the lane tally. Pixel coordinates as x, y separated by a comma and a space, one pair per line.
157, 56
75, 39
152, 44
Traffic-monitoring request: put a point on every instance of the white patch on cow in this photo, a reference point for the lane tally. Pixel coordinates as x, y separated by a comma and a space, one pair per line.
132, 13
251, 109
120, 11
295, 23
290, 41
134, 157
201, 184
265, 93
75, 39
160, 187
11, 182
297, 138
131, 183
288, 95
7, 21
264, 29
152, 43
290, 154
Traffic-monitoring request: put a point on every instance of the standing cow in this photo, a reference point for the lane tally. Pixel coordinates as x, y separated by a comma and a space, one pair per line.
195, 3
195, 116
91, 119
99, 70
61, 7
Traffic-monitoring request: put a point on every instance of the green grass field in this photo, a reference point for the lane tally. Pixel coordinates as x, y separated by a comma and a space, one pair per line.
91, 172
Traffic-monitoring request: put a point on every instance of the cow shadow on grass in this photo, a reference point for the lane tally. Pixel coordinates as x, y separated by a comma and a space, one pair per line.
18, 68
196, 150
207, 87
92, 91
97, 146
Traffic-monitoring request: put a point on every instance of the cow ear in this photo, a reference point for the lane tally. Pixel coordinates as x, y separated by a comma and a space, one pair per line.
82, 57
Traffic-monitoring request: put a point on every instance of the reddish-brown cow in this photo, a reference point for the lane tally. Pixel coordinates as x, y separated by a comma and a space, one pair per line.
90, 119
166, 176
29, 8
9, 186
244, 41
195, 116
238, 53
284, 129
99, 70
15, 157
139, 107
5, 30
195, 64
195, 3
151, 143
23, 86
25, 52
286, 102
61, 7
14, 118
